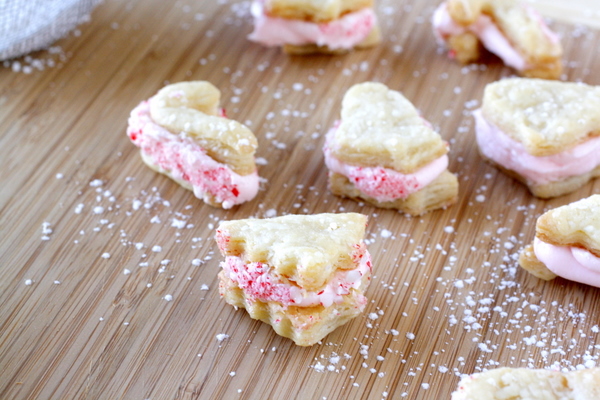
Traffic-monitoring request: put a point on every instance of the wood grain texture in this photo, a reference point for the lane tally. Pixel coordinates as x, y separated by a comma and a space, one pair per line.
443, 302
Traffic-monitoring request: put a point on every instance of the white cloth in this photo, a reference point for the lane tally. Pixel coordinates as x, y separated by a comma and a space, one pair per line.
29, 25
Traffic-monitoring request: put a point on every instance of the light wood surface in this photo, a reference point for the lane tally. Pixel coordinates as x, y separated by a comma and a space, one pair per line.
78, 208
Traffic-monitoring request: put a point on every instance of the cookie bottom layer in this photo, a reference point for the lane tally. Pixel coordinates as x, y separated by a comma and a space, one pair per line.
304, 325
530, 263
371, 40
440, 193
551, 189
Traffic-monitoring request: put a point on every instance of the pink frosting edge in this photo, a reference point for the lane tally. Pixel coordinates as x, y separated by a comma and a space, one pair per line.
382, 184
502, 149
188, 162
572, 263
344, 33
489, 34
259, 282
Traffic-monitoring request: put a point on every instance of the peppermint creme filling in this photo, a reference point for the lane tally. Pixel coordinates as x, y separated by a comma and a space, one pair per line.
343, 33
379, 183
569, 262
488, 33
504, 150
187, 162
259, 282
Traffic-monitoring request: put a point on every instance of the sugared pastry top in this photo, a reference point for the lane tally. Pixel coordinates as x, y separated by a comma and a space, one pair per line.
510, 29
307, 26
182, 133
383, 152
546, 133
530, 384
567, 243
307, 249
304, 275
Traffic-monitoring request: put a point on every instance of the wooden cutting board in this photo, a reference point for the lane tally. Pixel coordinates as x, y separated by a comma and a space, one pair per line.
108, 279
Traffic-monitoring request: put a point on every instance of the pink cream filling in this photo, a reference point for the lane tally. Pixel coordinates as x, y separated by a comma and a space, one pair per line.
383, 184
343, 33
573, 263
488, 33
504, 150
185, 160
258, 282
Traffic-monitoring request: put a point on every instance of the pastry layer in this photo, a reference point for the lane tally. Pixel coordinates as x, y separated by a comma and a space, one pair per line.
261, 282
569, 262
343, 33
304, 325
313, 10
306, 249
191, 109
180, 157
381, 128
440, 193
547, 117
576, 224
530, 384
379, 183
537, 170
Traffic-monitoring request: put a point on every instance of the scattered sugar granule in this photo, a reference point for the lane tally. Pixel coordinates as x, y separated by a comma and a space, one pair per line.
78, 208
168, 297
59, 176
449, 229
204, 287
480, 198
156, 249
96, 183
196, 262
105, 255
319, 367
179, 224
46, 230
222, 336
28, 282
232, 373
385, 233
98, 210
410, 336
126, 271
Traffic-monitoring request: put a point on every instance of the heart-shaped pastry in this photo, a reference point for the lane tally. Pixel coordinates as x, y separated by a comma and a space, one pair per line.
305, 275
383, 152
182, 133
544, 133
510, 29
567, 243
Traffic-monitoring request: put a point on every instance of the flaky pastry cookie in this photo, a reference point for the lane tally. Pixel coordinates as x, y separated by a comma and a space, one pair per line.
183, 134
530, 384
304, 275
567, 243
315, 26
383, 152
544, 133
510, 29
